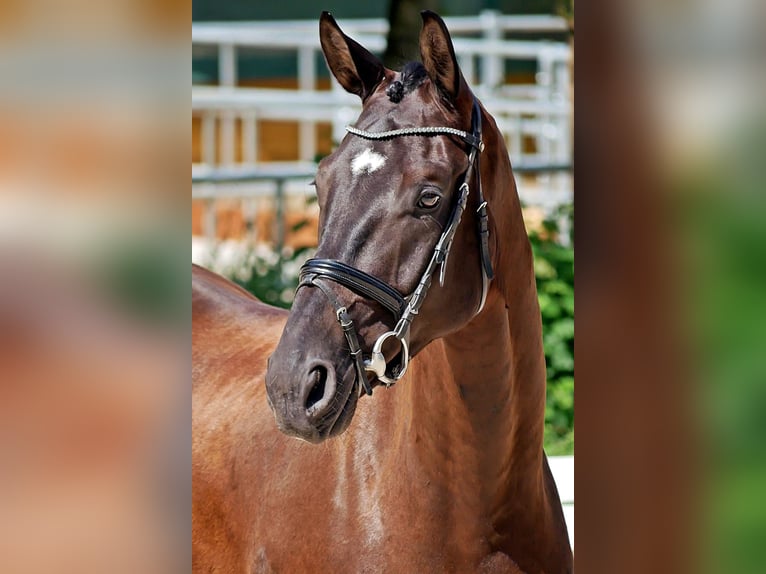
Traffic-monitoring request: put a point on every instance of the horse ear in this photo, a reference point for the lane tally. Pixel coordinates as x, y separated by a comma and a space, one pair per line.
356, 69
438, 57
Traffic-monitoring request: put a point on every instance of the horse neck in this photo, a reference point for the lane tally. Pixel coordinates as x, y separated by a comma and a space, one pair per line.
498, 357
497, 365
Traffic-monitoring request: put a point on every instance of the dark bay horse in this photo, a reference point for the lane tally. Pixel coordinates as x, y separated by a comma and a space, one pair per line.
444, 472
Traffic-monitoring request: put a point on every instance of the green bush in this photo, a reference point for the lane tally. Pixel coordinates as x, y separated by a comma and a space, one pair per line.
554, 274
274, 280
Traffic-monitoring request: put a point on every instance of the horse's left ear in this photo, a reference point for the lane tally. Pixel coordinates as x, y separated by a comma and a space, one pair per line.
439, 59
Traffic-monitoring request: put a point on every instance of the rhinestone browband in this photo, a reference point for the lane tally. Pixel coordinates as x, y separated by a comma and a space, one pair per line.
425, 131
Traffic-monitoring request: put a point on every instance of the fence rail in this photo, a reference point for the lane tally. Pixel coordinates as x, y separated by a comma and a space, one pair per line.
488, 20
282, 180
546, 122
285, 171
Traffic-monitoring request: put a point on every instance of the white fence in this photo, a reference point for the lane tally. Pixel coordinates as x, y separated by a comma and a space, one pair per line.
541, 110
540, 113
562, 468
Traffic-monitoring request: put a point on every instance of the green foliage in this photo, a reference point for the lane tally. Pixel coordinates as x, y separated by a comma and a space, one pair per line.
142, 276
719, 208
274, 279
554, 274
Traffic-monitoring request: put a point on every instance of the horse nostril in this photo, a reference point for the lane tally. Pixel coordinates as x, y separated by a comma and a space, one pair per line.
319, 377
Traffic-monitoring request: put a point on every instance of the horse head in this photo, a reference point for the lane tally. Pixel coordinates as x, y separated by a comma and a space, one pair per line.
395, 268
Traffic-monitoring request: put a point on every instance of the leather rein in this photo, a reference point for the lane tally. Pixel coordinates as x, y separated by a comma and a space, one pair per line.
314, 272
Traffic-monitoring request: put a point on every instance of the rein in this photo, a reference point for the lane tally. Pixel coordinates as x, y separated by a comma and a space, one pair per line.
404, 309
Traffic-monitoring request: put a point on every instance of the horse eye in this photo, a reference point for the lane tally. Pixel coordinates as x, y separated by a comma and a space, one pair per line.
429, 200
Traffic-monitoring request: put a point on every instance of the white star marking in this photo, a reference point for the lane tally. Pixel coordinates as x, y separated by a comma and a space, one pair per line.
367, 162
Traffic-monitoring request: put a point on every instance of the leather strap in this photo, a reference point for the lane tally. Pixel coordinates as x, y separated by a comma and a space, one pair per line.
483, 224
347, 324
482, 211
357, 281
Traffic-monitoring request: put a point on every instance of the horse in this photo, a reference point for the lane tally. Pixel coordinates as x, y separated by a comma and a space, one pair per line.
422, 290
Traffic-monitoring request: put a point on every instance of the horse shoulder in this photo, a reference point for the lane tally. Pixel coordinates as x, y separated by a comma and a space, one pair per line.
212, 294
230, 326
233, 334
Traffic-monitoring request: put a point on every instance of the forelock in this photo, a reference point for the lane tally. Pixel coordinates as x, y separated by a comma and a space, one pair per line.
413, 74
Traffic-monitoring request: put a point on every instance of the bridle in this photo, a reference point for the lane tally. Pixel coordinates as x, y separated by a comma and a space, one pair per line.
404, 309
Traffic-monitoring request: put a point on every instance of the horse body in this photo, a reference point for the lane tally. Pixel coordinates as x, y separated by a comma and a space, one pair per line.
444, 472
433, 476
359, 492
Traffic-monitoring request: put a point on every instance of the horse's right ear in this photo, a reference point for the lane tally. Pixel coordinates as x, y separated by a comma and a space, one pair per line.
439, 60
356, 69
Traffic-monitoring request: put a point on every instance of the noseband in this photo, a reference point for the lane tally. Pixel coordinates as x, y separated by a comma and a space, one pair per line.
403, 309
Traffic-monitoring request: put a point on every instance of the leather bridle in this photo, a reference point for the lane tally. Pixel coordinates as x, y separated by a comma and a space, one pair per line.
404, 309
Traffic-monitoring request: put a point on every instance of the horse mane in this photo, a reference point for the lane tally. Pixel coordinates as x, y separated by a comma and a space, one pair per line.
413, 74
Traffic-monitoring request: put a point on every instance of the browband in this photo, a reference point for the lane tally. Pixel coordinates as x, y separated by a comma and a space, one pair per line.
470, 139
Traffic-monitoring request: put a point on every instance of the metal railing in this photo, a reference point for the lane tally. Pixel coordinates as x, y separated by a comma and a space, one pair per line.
279, 181
269, 181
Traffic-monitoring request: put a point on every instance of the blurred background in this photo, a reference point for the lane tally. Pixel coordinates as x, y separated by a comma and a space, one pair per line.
94, 297
671, 409
94, 300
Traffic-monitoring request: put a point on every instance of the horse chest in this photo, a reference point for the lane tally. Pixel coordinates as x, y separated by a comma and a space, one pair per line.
375, 513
